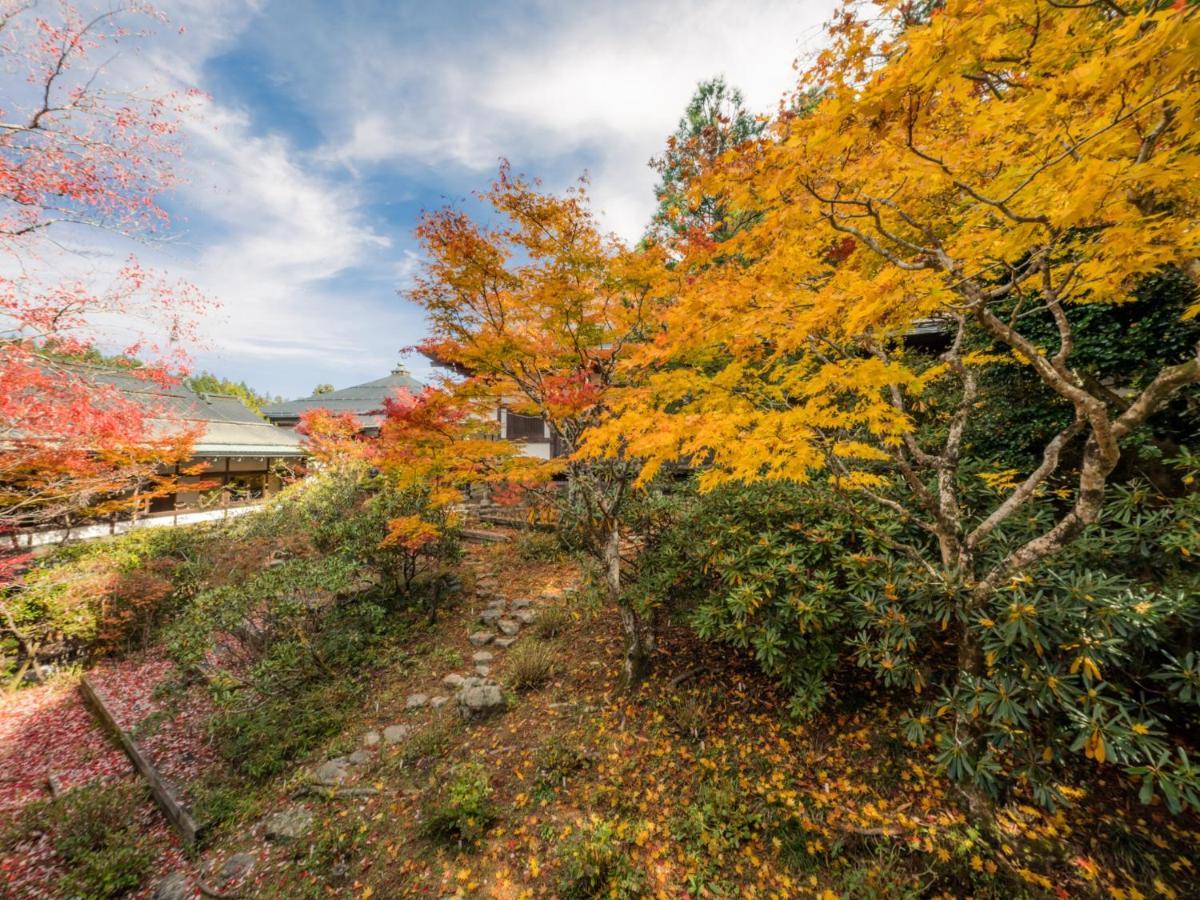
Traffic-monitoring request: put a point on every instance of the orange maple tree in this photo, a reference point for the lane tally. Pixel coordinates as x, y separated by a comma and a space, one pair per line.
539, 310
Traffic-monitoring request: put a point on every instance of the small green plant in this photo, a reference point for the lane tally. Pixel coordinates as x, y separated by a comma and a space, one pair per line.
687, 714
557, 760
262, 739
595, 863
94, 832
530, 666
533, 545
217, 799
551, 622
427, 743
459, 807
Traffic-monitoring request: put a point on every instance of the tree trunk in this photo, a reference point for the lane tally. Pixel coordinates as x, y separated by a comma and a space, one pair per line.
639, 645
638, 628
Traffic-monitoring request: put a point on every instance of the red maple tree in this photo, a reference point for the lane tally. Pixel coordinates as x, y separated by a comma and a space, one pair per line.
73, 152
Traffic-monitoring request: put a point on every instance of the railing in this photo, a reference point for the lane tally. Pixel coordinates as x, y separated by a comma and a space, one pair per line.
29, 540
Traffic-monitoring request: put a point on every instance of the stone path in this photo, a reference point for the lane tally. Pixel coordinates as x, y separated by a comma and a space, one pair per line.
477, 697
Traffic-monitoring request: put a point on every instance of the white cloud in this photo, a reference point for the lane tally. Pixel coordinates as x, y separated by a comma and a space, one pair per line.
431, 95
263, 231
607, 83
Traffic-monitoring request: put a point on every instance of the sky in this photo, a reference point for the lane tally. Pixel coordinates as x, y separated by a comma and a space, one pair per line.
329, 126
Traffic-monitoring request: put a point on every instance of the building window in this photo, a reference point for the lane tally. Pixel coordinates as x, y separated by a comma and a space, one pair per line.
524, 428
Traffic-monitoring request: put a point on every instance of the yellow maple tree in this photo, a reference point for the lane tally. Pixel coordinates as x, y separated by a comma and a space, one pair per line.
965, 168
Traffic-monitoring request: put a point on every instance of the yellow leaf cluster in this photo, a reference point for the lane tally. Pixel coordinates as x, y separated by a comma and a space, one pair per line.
942, 154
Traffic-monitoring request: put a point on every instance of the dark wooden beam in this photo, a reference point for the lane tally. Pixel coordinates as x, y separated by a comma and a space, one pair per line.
180, 819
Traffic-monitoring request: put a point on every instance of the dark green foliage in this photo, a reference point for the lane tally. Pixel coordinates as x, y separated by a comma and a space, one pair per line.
1121, 345
291, 651
208, 383
347, 511
766, 568
459, 806
262, 739
286, 649
1089, 655
95, 831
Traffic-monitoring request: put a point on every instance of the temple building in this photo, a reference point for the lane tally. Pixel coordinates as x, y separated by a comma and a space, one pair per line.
363, 401
241, 458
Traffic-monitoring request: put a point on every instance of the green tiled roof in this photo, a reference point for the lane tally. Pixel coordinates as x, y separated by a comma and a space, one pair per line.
364, 401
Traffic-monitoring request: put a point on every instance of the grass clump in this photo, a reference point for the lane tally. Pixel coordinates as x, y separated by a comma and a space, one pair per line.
427, 743
551, 622
459, 807
533, 545
530, 666
94, 831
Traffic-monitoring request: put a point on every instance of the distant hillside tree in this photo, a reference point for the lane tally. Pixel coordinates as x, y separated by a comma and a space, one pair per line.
208, 383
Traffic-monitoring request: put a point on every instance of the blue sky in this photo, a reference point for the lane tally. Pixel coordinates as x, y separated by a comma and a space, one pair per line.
330, 126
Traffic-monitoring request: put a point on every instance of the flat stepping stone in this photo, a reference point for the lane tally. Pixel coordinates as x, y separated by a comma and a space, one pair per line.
525, 616
493, 537
173, 887
508, 626
394, 734
237, 867
480, 700
330, 774
522, 604
482, 657
491, 615
482, 638
453, 680
371, 739
290, 824
505, 642
416, 701
483, 670
359, 758
438, 702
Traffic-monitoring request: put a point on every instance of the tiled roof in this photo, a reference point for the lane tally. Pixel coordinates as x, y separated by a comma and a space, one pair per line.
364, 401
230, 428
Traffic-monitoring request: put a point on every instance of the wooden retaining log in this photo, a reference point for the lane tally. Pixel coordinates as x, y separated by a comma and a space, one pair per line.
470, 534
180, 819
